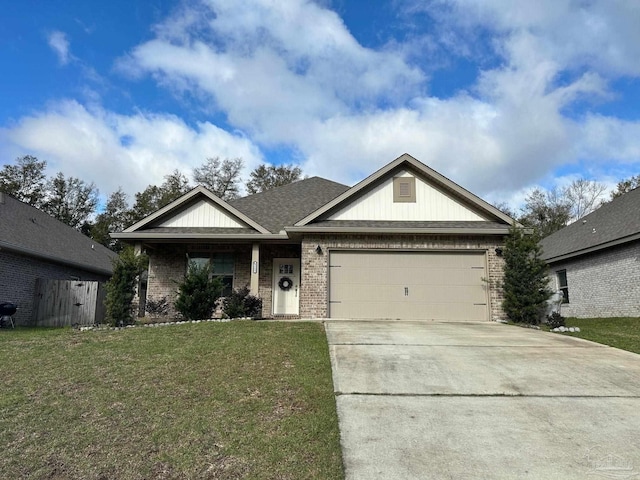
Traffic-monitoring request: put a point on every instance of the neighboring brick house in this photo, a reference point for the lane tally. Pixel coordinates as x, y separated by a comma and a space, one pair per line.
35, 245
405, 243
595, 261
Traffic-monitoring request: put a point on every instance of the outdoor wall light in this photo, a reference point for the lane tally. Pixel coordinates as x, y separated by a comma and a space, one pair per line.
499, 251
319, 250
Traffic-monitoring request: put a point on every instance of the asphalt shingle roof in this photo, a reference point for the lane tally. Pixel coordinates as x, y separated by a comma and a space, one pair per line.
614, 221
284, 206
27, 229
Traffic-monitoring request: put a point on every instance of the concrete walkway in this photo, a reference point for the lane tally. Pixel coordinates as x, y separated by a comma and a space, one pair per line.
482, 401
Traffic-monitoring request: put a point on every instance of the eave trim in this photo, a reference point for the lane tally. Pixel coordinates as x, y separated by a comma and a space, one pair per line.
195, 236
438, 231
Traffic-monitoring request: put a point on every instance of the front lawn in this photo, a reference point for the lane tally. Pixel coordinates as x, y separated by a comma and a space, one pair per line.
621, 333
198, 401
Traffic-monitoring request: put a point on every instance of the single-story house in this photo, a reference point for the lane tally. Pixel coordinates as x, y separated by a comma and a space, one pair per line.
405, 242
595, 261
34, 245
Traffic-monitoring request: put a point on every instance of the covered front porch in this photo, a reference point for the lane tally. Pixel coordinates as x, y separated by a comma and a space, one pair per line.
271, 271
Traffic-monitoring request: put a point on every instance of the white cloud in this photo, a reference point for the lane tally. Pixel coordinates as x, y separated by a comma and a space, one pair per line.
290, 73
599, 34
609, 140
118, 150
270, 65
60, 45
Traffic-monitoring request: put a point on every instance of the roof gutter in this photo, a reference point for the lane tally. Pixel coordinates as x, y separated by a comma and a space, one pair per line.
196, 236
10, 247
396, 230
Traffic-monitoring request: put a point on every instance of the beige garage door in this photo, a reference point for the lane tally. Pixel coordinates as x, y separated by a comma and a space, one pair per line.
444, 286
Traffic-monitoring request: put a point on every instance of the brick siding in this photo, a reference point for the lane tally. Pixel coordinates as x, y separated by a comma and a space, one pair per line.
602, 284
18, 274
167, 266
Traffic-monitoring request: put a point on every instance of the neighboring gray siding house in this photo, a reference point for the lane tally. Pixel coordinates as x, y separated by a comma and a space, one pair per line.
405, 242
596, 261
35, 245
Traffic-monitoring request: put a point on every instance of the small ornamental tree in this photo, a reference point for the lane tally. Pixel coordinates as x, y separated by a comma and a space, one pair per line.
198, 293
526, 285
121, 288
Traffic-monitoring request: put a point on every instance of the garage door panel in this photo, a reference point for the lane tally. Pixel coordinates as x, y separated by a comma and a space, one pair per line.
369, 276
419, 294
446, 294
400, 276
414, 311
409, 285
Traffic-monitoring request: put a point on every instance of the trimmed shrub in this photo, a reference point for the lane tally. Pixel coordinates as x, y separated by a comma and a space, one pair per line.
242, 304
157, 308
121, 288
198, 293
555, 320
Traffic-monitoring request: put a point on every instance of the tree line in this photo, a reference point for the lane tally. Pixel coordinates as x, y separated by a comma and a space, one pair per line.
547, 211
74, 201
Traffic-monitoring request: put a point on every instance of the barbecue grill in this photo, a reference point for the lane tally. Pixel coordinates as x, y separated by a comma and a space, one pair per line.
6, 314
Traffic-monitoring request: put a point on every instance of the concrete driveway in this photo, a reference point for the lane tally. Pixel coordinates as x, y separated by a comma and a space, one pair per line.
482, 401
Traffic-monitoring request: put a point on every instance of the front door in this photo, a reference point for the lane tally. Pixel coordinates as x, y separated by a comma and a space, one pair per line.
286, 286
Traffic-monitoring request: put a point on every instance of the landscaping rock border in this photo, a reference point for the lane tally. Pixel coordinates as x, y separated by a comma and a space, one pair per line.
566, 329
161, 324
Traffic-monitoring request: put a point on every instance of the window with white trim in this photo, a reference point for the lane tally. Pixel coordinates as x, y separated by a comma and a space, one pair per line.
563, 285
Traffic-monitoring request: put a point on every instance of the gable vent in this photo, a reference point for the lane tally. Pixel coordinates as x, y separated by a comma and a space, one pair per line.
404, 190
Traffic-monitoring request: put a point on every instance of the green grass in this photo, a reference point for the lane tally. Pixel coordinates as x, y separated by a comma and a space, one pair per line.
621, 333
212, 400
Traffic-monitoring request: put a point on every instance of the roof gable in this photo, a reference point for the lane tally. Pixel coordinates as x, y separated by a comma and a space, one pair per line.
437, 199
202, 213
195, 209
431, 204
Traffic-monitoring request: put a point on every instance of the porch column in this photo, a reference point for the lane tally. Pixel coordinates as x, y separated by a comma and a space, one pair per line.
255, 268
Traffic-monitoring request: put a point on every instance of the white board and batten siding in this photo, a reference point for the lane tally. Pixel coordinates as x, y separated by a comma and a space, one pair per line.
432, 204
204, 213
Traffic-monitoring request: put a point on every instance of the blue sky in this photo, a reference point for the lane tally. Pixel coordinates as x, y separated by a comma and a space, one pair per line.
500, 96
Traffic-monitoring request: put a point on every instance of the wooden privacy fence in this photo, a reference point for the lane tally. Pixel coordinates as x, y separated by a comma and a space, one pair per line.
61, 303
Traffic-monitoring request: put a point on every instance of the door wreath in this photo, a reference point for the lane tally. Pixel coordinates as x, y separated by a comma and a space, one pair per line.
285, 283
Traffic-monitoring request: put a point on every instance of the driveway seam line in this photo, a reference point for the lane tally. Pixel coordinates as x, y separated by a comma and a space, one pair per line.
563, 347
479, 395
